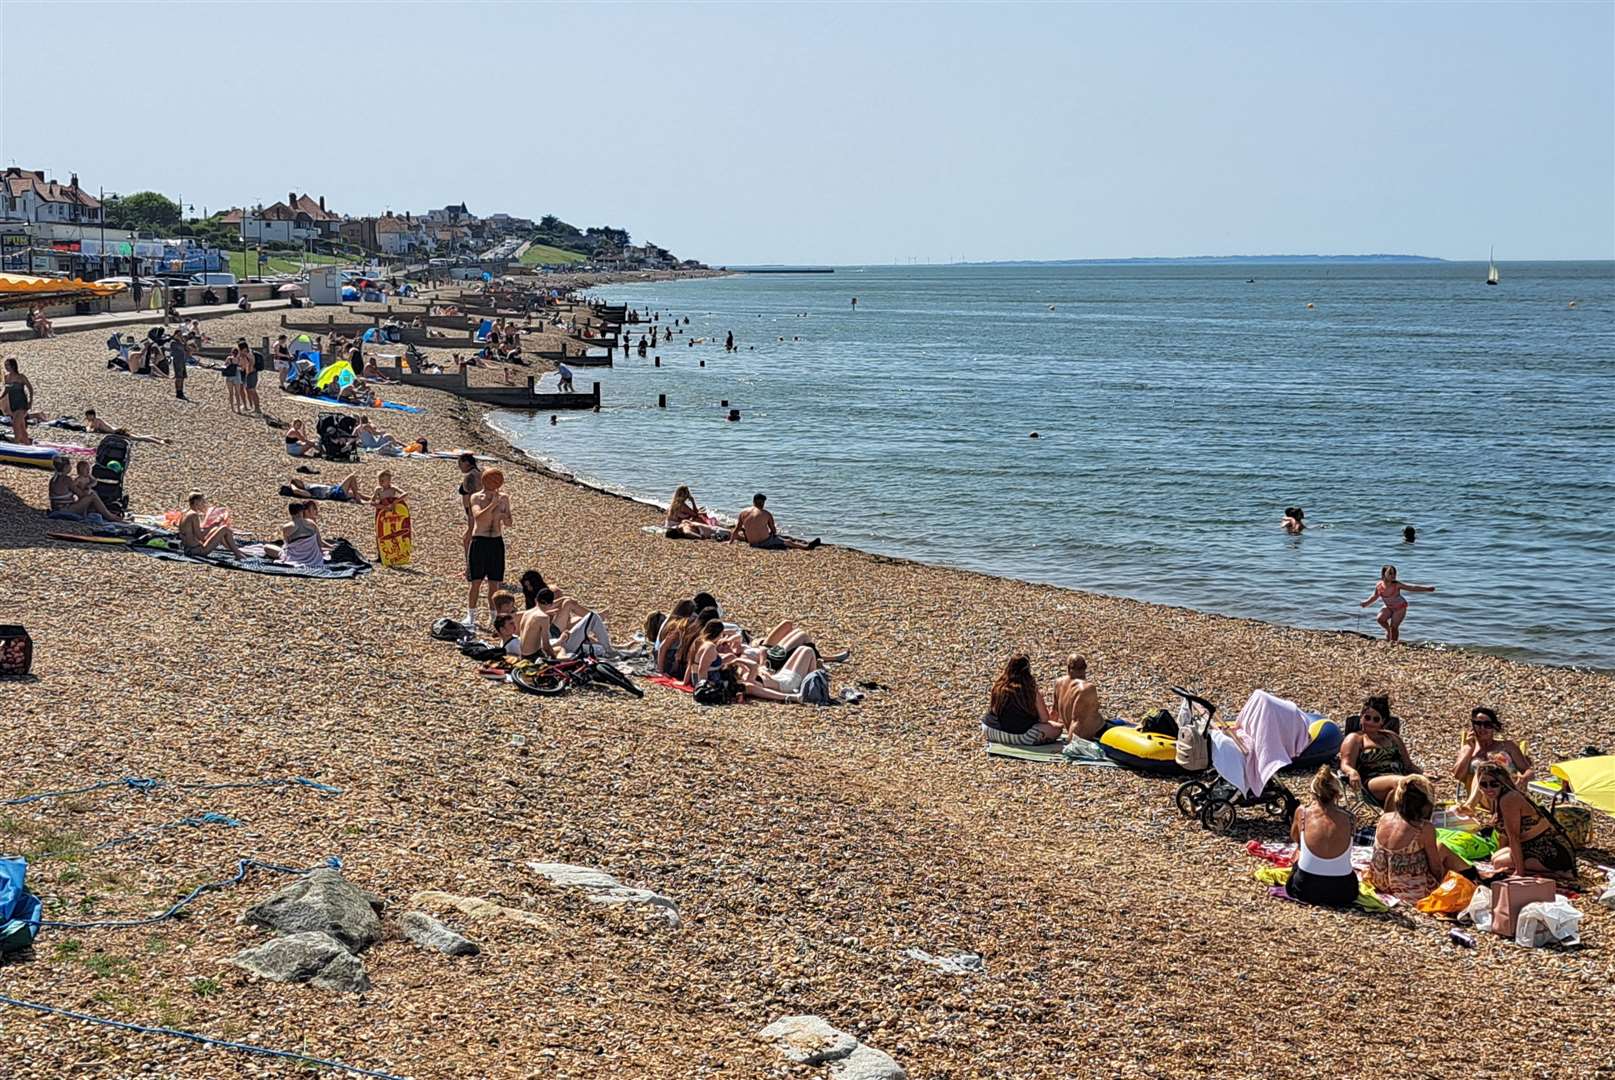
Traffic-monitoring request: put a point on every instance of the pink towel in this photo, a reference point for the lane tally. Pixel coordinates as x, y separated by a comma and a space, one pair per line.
1272, 731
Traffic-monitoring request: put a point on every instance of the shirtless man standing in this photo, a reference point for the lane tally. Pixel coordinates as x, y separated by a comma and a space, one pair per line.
756, 527
485, 556
1076, 700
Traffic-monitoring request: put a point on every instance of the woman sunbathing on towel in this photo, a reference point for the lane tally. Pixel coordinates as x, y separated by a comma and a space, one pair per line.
94, 423
708, 659
687, 520
198, 541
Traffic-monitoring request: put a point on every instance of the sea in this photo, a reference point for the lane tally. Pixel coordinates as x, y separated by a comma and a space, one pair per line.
1178, 410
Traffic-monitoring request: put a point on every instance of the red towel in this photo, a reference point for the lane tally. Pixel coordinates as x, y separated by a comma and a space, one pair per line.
671, 683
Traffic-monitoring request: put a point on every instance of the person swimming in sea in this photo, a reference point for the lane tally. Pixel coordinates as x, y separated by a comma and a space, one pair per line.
1388, 590
1409, 535
1294, 519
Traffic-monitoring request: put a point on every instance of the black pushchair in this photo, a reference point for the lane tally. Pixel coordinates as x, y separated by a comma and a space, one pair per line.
110, 470
337, 439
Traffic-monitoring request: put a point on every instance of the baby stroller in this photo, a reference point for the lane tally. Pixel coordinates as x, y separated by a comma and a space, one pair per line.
110, 470
337, 440
1288, 738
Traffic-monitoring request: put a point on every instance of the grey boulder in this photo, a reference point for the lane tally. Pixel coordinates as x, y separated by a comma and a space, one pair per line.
324, 902
310, 957
428, 933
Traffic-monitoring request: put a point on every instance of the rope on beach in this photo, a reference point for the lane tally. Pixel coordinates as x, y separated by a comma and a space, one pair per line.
135, 783
242, 866
210, 817
143, 785
205, 1040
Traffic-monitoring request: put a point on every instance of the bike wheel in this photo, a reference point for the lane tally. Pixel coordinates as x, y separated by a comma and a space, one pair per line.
1191, 797
1280, 805
545, 682
615, 675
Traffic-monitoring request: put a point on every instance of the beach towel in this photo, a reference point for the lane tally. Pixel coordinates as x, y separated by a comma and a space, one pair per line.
671, 683
328, 403
1276, 877
1271, 731
251, 565
1047, 753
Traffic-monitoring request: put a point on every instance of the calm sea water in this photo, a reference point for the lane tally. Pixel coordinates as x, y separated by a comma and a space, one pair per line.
1180, 409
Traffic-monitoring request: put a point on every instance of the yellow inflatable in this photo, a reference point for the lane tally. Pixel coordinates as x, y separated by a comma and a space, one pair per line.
1139, 750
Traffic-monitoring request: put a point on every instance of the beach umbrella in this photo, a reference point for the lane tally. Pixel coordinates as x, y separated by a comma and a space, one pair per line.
289, 289
341, 372
1591, 778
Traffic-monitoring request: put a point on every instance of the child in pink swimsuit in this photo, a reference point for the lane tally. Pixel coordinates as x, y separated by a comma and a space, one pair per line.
1389, 591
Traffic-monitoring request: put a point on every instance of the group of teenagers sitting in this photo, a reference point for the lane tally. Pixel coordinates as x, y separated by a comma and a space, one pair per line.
549, 626
695, 646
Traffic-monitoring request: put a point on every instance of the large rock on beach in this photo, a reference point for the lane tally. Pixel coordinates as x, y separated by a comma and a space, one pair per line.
325, 902
312, 957
601, 888
813, 1040
428, 933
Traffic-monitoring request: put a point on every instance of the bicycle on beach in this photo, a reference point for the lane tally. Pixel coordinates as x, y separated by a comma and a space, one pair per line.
552, 678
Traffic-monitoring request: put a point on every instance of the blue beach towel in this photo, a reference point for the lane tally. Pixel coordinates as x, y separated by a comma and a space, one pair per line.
19, 908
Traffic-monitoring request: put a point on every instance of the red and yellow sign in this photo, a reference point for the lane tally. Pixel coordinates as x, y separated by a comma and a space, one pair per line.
393, 537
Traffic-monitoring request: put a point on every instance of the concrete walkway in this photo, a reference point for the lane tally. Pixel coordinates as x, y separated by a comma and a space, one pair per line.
109, 321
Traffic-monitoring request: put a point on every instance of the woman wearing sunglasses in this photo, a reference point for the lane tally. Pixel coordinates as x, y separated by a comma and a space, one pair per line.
1530, 841
1485, 742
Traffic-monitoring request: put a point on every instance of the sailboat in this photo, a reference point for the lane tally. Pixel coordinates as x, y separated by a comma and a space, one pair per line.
1491, 268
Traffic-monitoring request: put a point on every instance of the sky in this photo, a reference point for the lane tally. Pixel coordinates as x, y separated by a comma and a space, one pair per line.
857, 133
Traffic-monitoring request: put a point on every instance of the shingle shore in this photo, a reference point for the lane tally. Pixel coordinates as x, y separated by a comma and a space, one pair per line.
806, 849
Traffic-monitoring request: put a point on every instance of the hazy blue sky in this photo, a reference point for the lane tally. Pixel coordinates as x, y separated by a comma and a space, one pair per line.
858, 133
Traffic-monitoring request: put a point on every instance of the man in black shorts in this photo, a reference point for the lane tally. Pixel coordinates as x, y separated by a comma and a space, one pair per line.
485, 555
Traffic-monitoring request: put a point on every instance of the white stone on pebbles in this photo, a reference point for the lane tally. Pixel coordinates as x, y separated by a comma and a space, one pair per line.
601, 888
812, 1040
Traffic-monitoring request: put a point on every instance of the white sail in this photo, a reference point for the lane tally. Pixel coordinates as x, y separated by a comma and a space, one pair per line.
1491, 267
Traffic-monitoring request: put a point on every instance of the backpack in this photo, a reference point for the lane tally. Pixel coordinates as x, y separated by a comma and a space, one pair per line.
816, 688
1159, 722
344, 552
721, 689
449, 630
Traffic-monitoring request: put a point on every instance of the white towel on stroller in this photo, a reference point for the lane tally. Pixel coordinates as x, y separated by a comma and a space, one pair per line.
1271, 732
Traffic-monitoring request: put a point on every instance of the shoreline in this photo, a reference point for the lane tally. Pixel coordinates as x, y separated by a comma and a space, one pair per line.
556, 470
807, 849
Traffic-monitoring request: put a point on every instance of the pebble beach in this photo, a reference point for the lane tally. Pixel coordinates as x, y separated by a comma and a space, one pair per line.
807, 850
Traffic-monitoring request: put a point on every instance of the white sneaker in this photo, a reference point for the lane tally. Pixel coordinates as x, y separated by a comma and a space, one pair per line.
471, 619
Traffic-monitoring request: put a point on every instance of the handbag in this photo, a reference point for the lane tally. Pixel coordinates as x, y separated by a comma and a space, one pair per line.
1509, 897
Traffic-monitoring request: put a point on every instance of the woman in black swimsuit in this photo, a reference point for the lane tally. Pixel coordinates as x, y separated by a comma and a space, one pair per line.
19, 399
